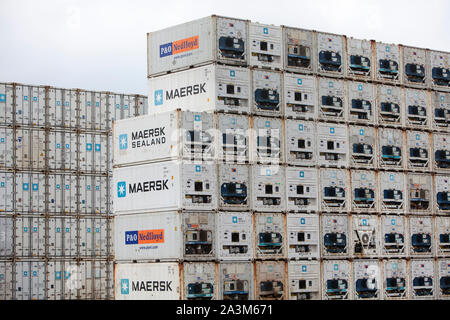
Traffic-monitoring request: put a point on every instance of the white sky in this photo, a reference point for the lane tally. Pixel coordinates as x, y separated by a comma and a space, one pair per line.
101, 45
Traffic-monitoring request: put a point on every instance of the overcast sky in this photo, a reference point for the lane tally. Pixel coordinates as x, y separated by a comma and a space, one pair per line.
101, 45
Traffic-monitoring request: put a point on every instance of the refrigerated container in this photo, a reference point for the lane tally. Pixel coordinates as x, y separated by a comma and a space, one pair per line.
361, 103
415, 67
7, 185
420, 194
337, 281
300, 143
392, 149
332, 145
234, 185
335, 237
360, 62
390, 106
233, 138
299, 50
442, 194
441, 154
270, 280
443, 279
303, 236
362, 147
417, 109
421, 230
6, 280
395, 280
331, 54
234, 236
267, 93
442, 236
6, 104
270, 240
267, 138
388, 65
302, 190
300, 96
6, 237
367, 280
236, 281
423, 280
364, 191
365, 236
334, 190
199, 281
332, 100
439, 64
268, 187
265, 46
392, 192
7, 152
304, 280
393, 236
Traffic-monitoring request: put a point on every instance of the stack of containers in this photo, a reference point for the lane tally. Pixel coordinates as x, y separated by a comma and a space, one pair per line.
330, 156
55, 208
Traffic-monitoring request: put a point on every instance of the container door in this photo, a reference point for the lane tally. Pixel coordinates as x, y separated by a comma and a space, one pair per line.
38, 237
6, 280
38, 272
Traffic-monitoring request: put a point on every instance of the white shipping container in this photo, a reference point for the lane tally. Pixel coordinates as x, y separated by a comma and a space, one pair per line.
420, 194
270, 281
30, 281
361, 102
236, 281
303, 236
86, 152
70, 151
268, 135
300, 96
38, 183
332, 99
415, 66
304, 280
440, 103
439, 65
362, 147
367, 280
147, 281
302, 190
86, 243
23, 148
442, 236
6, 148
421, 236
6, 104
365, 236
331, 53
388, 62
38, 106
55, 150
30, 234
392, 192
360, 63
336, 280
234, 184
270, 241
417, 108
364, 191
6, 237
267, 93
334, 190
69, 109
6, 280
101, 276
335, 236
54, 109
395, 280
301, 142
55, 190
23, 98
299, 50
423, 280
100, 195
233, 138
268, 188
393, 236
210, 39
235, 236
265, 46
391, 146
441, 156
7, 203
390, 106
70, 186
200, 281
23, 195
443, 278
86, 189
64, 279
55, 237
442, 194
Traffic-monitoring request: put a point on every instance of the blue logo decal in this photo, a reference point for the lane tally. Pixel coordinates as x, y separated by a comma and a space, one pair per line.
300, 82
304, 269
361, 132
302, 174
232, 73
235, 220
159, 97
165, 50
124, 286
302, 221
131, 237
25, 186
197, 117
266, 30
35, 187
360, 87
393, 222
121, 189
300, 127
88, 146
97, 147
332, 130
2, 97
123, 142
198, 169
267, 124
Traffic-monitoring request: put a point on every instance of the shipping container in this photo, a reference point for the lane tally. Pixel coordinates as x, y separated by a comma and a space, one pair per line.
367, 279
364, 191
270, 241
22, 192
362, 147
268, 188
439, 65
360, 63
270, 282
233, 138
331, 54
266, 146
234, 184
304, 280
236, 281
420, 194
165, 186
23, 98
336, 280
86, 238
210, 39
101, 195
69, 108
301, 143
390, 106
442, 194
207, 88
147, 281
54, 108
267, 93
334, 190
361, 103
86, 190
70, 185
38, 182
62, 237
299, 50
443, 279
200, 281
392, 192
441, 148
265, 46
421, 232
417, 109
6, 237
395, 280
335, 237
7, 185
423, 280
440, 105
388, 64
332, 100
302, 190
415, 66
56, 150
235, 236
332, 149
7, 104
60, 284
7, 151
393, 236
29, 280
365, 236
6, 280
391, 144
24, 141
300, 96
442, 236
303, 236
101, 280
55, 194
30, 237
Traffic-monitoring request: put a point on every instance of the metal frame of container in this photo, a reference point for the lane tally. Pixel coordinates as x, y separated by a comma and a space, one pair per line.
337, 283
300, 143
270, 236
394, 234
363, 147
363, 272
335, 239
304, 280
270, 280
303, 237
302, 189
236, 281
422, 271
396, 271
265, 46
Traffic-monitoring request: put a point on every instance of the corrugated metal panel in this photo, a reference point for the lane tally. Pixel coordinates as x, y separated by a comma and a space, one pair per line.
7, 192
6, 236
6, 148
6, 281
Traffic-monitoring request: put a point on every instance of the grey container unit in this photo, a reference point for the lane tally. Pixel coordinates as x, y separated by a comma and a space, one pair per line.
6, 280
30, 149
233, 138
267, 93
417, 109
7, 186
200, 281
301, 142
362, 147
199, 236
365, 237
303, 236
423, 280
30, 105
364, 193
393, 236
270, 280
6, 104
30, 237
361, 103
6, 237
234, 236
302, 190
415, 67
337, 281
390, 106
439, 65
270, 236
392, 155
421, 231
335, 237
442, 279
332, 100
392, 192
267, 141
441, 194
199, 42
440, 105
331, 54
268, 187
395, 279
62, 238
334, 190
300, 96
29, 283
265, 46
7, 148
299, 50
234, 187
441, 153
360, 59
388, 63
367, 280
236, 281
442, 236
304, 280
419, 194
94, 110
332, 145
62, 151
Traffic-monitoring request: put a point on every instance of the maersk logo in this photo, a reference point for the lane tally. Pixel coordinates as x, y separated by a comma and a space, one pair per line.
302, 221
88, 147
159, 97
393, 222
124, 286
235, 220
300, 82
123, 142
332, 130
304, 269
266, 30
361, 132
121, 189
232, 73
364, 222
300, 127
302, 174
2, 97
